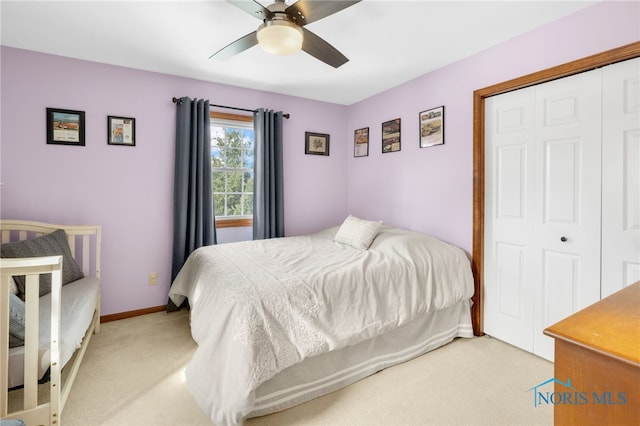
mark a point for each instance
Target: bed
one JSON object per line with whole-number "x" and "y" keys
{"x": 282, "y": 321}
{"x": 61, "y": 312}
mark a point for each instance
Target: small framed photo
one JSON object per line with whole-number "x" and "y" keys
{"x": 391, "y": 136}
{"x": 121, "y": 131}
{"x": 316, "y": 143}
{"x": 361, "y": 142}
{"x": 432, "y": 127}
{"x": 65, "y": 127}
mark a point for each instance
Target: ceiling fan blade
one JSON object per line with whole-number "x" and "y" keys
{"x": 304, "y": 12}
{"x": 320, "y": 49}
{"x": 252, "y": 8}
{"x": 240, "y": 45}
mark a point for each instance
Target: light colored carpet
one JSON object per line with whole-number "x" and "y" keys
{"x": 133, "y": 375}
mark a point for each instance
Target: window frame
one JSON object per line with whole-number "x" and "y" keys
{"x": 239, "y": 221}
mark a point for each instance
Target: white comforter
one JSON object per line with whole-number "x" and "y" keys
{"x": 258, "y": 307}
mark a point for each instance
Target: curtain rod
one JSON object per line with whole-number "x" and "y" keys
{"x": 176, "y": 100}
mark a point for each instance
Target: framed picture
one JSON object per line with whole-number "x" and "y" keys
{"x": 65, "y": 127}
{"x": 316, "y": 143}
{"x": 121, "y": 131}
{"x": 391, "y": 136}
{"x": 432, "y": 127}
{"x": 361, "y": 142}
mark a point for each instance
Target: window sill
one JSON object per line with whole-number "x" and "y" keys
{"x": 233, "y": 223}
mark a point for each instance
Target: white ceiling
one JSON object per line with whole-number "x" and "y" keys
{"x": 387, "y": 42}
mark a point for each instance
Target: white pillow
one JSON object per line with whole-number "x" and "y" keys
{"x": 357, "y": 233}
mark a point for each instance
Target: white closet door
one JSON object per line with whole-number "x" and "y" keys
{"x": 509, "y": 224}
{"x": 567, "y": 203}
{"x": 542, "y": 208}
{"x": 621, "y": 176}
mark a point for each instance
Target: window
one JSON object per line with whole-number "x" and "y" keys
{"x": 232, "y": 169}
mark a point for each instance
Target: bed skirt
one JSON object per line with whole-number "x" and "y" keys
{"x": 325, "y": 373}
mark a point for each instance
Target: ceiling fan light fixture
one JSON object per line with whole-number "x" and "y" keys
{"x": 280, "y": 37}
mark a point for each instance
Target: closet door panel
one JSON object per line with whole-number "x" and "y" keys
{"x": 561, "y": 181}
{"x": 510, "y": 280}
{"x": 508, "y": 226}
{"x": 510, "y": 182}
{"x": 563, "y": 294}
{"x": 621, "y": 176}
{"x": 561, "y": 285}
{"x": 567, "y": 202}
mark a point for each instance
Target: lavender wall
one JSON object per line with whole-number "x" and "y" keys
{"x": 128, "y": 190}
{"x": 430, "y": 189}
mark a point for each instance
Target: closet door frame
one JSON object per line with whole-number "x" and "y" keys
{"x": 588, "y": 63}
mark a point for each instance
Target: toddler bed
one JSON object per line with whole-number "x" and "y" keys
{"x": 50, "y": 307}
{"x": 281, "y": 321}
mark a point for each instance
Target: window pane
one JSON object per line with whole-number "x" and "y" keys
{"x": 234, "y": 158}
{"x": 247, "y": 203}
{"x": 234, "y": 204}
{"x": 216, "y": 157}
{"x": 218, "y": 202}
{"x": 247, "y": 159}
{"x": 248, "y": 134}
{"x": 218, "y": 136}
{"x": 218, "y": 181}
{"x": 235, "y": 138}
{"x": 234, "y": 182}
{"x": 248, "y": 181}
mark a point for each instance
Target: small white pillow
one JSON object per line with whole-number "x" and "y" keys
{"x": 357, "y": 233}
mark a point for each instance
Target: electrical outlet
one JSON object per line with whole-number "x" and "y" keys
{"x": 153, "y": 278}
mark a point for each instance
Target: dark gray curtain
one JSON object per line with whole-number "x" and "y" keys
{"x": 193, "y": 217}
{"x": 268, "y": 195}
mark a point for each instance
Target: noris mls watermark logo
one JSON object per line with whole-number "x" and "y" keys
{"x": 569, "y": 395}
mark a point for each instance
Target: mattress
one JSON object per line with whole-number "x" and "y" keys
{"x": 79, "y": 299}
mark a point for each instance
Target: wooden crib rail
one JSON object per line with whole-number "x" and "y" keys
{"x": 31, "y": 268}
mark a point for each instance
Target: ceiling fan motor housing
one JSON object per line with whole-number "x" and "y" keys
{"x": 279, "y": 35}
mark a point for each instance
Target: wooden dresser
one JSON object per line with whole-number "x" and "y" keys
{"x": 598, "y": 350}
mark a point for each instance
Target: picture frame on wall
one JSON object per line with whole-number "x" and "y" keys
{"x": 391, "y": 136}
{"x": 65, "y": 127}
{"x": 121, "y": 131}
{"x": 432, "y": 127}
{"x": 316, "y": 143}
{"x": 361, "y": 142}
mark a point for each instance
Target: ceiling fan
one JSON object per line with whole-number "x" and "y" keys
{"x": 282, "y": 31}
